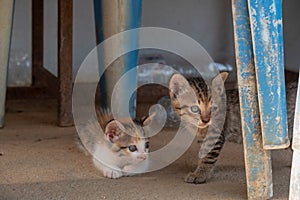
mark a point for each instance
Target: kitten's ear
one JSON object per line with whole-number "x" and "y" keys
{"x": 224, "y": 76}
{"x": 218, "y": 81}
{"x": 178, "y": 84}
{"x": 113, "y": 130}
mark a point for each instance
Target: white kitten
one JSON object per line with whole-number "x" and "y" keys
{"x": 121, "y": 149}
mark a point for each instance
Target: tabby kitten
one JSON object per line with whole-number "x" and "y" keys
{"x": 122, "y": 149}
{"x": 200, "y": 114}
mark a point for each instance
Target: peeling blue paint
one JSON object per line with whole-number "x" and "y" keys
{"x": 257, "y": 160}
{"x": 267, "y": 36}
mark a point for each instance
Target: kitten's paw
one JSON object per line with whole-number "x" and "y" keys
{"x": 109, "y": 173}
{"x": 195, "y": 178}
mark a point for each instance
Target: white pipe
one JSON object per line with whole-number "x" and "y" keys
{"x": 6, "y": 17}
{"x": 295, "y": 173}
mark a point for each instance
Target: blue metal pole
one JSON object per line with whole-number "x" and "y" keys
{"x": 295, "y": 174}
{"x": 119, "y": 16}
{"x": 98, "y": 20}
{"x": 6, "y": 21}
{"x": 134, "y": 9}
{"x": 257, "y": 160}
{"x": 99, "y": 39}
{"x": 267, "y": 37}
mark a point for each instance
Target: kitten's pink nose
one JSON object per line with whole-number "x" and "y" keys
{"x": 205, "y": 119}
{"x": 142, "y": 157}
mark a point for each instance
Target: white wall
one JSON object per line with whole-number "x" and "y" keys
{"x": 206, "y": 21}
{"x": 19, "y": 73}
{"x": 50, "y": 36}
{"x": 291, "y": 27}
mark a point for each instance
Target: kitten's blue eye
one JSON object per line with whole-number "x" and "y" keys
{"x": 195, "y": 109}
{"x": 147, "y": 145}
{"x": 132, "y": 148}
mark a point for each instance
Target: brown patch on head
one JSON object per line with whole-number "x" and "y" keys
{"x": 114, "y": 130}
{"x": 126, "y": 140}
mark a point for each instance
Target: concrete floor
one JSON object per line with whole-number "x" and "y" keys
{"x": 39, "y": 160}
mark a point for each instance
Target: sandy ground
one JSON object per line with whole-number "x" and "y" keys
{"x": 39, "y": 160}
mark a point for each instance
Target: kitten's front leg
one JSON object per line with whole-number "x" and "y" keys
{"x": 206, "y": 165}
{"x": 112, "y": 173}
{"x": 201, "y": 173}
{"x": 107, "y": 171}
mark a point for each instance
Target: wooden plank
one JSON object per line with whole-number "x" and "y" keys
{"x": 257, "y": 160}
{"x": 46, "y": 80}
{"x": 148, "y": 95}
{"x": 65, "y": 19}
{"x": 151, "y": 93}
{"x": 47, "y": 89}
{"x": 267, "y": 36}
{"x": 37, "y": 39}
{"x": 40, "y": 76}
{"x": 6, "y": 20}
{"x": 33, "y": 92}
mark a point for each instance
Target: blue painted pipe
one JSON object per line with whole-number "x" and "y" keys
{"x": 118, "y": 16}
{"x": 98, "y": 20}
{"x": 133, "y": 10}
{"x": 257, "y": 160}
{"x": 99, "y": 36}
{"x": 267, "y": 35}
